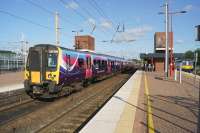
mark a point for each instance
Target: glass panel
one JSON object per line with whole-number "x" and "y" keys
{"x": 52, "y": 60}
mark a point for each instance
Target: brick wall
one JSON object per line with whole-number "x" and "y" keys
{"x": 159, "y": 65}
{"x": 84, "y": 42}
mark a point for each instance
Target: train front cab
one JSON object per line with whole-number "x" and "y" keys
{"x": 42, "y": 71}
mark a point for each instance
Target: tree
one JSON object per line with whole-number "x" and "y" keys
{"x": 189, "y": 55}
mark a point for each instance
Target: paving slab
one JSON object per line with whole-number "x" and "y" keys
{"x": 174, "y": 105}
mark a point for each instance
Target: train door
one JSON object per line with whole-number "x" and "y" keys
{"x": 88, "y": 67}
{"x": 37, "y": 65}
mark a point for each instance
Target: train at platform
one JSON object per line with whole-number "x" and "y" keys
{"x": 52, "y": 71}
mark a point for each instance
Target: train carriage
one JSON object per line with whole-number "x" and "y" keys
{"x": 50, "y": 67}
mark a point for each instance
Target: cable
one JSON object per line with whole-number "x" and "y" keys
{"x": 49, "y": 11}
{"x": 89, "y": 14}
{"x": 24, "y": 19}
{"x": 78, "y": 13}
{"x": 38, "y": 6}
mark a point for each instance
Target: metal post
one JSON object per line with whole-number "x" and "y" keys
{"x": 198, "y": 128}
{"x": 196, "y": 59}
{"x": 171, "y": 50}
{"x": 166, "y": 45}
{"x": 57, "y": 28}
{"x": 195, "y": 69}
{"x": 175, "y": 74}
{"x": 25, "y": 53}
{"x": 180, "y": 73}
{"x": 17, "y": 62}
{"x": 8, "y": 65}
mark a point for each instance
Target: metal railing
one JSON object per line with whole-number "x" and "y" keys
{"x": 11, "y": 63}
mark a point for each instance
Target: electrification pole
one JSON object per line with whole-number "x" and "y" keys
{"x": 167, "y": 42}
{"x": 57, "y": 29}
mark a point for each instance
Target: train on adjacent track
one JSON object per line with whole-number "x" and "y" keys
{"x": 49, "y": 68}
{"x": 186, "y": 65}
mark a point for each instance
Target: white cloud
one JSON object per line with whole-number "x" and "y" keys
{"x": 106, "y": 24}
{"x": 72, "y": 5}
{"x": 179, "y": 41}
{"x": 188, "y": 7}
{"x": 132, "y": 34}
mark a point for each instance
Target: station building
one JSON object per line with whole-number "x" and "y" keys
{"x": 84, "y": 42}
{"x": 157, "y": 58}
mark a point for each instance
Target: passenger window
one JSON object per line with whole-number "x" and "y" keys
{"x": 68, "y": 60}
{"x": 81, "y": 63}
{"x": 88, "y": 60}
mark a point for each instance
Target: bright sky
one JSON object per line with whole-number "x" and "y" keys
{"x": 34, "y": 21}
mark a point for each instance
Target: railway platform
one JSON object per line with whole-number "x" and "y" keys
{"x": 11, "y": 81}
{"x": 150, "y": 103}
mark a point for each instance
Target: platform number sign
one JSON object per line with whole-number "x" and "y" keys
{"x": 197, "y": 33}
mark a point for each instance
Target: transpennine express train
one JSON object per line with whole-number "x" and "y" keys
{"x": 49, "y": 68}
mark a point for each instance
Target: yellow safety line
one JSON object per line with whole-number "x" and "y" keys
{"x": 149, "y": 110}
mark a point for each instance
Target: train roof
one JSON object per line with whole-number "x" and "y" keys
{"x": 91, "y": 52}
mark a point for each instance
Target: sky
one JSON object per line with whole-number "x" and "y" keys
{"x": 135, "y": 21}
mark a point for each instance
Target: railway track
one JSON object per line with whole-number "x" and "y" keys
{"x": 66, "y": 114}
{"x": 11, "y": 113}
{"x": 76, "y": 116}
{"x": 12, "y": 98}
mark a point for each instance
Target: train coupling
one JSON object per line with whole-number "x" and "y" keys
{"x": 37, "y": 90}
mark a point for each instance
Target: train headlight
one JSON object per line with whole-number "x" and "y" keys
{"x": 49, "y": 75}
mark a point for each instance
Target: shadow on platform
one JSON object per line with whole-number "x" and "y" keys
{"x": 160, "y": 117}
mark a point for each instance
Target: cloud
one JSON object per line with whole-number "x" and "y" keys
{"x": 106, "y": 24}
{"x": 72, "y": 5}
{"x": 179, "y": 41}
{"x": 132, "y": 34}
{"x": 188, "y": 7}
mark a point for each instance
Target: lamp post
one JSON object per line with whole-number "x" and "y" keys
{"x": 167, "y": 13}
{"x": 196, "y": 59}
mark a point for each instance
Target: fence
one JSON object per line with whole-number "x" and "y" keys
{"x": 11, "y": 63}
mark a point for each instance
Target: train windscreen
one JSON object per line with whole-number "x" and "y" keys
{"x": 52, "y": 60}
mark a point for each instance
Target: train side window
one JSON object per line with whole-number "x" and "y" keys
{"x": 88, "y": 60}
{"x": 105, "y": 65}
{"x": 96, "y": 64}
{"x": 81, "y": 63}
{"x": 112, "y": 64}
{"x": 68, "y": 60}
{"x": 99, "y": 64}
